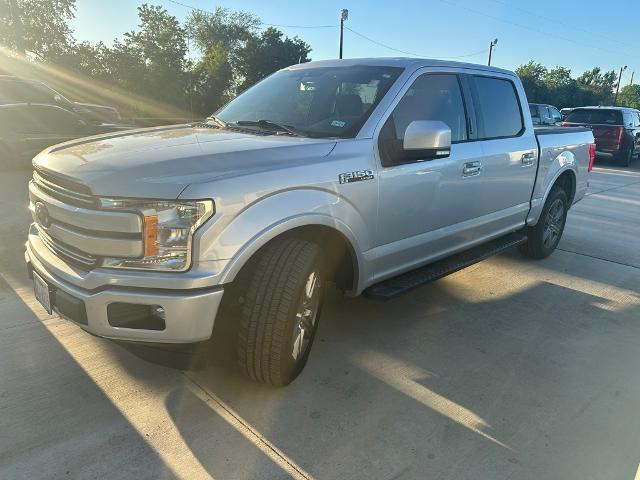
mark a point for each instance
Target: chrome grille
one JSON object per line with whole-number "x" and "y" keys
{"x": 67, "y": 252}
{"x": 64, "y": 190}
{"x": 71, "y": 224}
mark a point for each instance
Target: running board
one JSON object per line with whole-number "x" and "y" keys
{"x": 415, "y": 278}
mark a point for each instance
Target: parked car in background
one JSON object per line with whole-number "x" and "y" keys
{"x": 373, "y": 174}
{"x": 565, "y": 111}
{"x": 615, "y": 129}
{"x": 18, "y": 90}
{"x": 544, "y": 114}
{"x": 28, "y": 128}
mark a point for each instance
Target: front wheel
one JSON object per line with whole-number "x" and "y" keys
{"x": 543, "y": 238}
{"x": 281, "y": 310}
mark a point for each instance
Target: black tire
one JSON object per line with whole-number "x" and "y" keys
{"x": 626, "y": 157}
{"x": 274, "y": 337}
{"x": 539, "y": 244}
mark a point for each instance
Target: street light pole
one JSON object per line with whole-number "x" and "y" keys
{"x": 493, "y": 43}
{"x": 344, "y": 14}
{"x": 615, "y": 98}
{"x": 632, "y": 74}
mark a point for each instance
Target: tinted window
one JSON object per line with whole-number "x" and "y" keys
{"x": 498, "y": 107}
{"x": 595, "y": 116}
{"x": 544, "y": 113}
{"x": 628, "y": 119}
{"x": 432, "y": 97}
{"x": 56, "y": 120}
{"x": 555, "y": 114}
{"x": 12, "y": 91}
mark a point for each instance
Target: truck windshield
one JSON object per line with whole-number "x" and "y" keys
{"x": 595, "y": 116}
{"x": 318, "y": 102}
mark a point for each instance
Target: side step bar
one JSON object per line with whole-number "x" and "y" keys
{"x": 415, "y": 278}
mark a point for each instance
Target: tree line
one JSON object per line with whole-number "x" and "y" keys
{"x": 196, "y": 65}
{"x": 557, "y": 87}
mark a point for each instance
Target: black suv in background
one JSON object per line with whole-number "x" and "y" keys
{"x": 544, "y": 114}
{"x": 615, "y": 129}
{"x": 20, "y": 90}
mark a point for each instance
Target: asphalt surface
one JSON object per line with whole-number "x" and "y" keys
{"x": 510, "y": 369}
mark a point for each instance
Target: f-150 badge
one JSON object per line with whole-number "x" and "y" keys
{"x": 357, "y": 176}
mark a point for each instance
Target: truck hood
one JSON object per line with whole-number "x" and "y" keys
{"x": 162, "y": 162}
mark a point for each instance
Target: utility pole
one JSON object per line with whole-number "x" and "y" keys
{"x": 493, "y": 43}
{"x": 344, "y": 14}
{"x": 615, "y": 99}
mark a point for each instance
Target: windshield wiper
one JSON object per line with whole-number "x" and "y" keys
{"x": 218, "y": 121}
{"x": 271, "y": 125}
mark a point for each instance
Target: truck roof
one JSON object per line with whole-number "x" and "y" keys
{"x": 402, "y": 62}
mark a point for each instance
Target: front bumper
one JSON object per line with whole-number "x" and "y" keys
{"x": 189, "y": 314}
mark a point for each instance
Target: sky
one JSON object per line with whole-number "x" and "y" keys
{"x": 578, "y": 34}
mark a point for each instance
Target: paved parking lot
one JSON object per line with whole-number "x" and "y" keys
{"x": 510, "y": 369}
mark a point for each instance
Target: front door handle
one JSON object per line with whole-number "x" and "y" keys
{"x": 528, "y": 159}
{"x": 471, "y": 169}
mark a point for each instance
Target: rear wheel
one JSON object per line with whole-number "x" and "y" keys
{"x": 543, "y": 238}
{"x": 626, "y": 157}
{"x": 281, "y": 311}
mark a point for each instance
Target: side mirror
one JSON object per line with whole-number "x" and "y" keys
{"x": 428, "y": 139}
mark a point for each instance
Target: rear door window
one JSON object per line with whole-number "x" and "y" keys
{"x": 593, "y": 116}
{"x": 497, "y": 106}
{"x": 555, "y": 114}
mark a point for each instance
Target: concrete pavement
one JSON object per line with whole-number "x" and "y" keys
{"x": 510, "y": 369}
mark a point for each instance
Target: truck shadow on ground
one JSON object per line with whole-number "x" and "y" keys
{"x": 54, "y": 418}
{"x": 433, "y": 382}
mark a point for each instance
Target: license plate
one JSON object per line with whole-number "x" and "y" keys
{"x": 43, "y": 294}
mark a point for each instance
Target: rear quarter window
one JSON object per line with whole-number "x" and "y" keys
{"x": 499, "y": 109}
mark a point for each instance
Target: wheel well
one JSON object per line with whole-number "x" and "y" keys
{"x": 567, "y": 181}
{"x": 340, "y": 256}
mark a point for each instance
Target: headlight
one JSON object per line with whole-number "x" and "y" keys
{"x": 168, "y": 229}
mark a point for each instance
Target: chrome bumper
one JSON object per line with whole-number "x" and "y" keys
{"x": 189, "y": 314}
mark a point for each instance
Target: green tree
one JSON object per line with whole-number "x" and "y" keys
{"x": 596, "y": 87}
{"x": 559, "y": 86}
{"x": 219, "y": 36}
{"x": 264, "y": 54}
{"x": 629, "y": 96}
{"x": 153, "y": 57}
{"x": 531, "y": 74}
{"x": 37, "y": 27}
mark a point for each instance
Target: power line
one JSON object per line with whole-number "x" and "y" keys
{"x": 261, "y": 23}
{"x": 572, "y": 25}
{"x": 406, "y": 52}
{"x": 336, "y": 26}
{"x": 527, "y": 27}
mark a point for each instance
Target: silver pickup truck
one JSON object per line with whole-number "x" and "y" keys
{"x": 377, "y": 175}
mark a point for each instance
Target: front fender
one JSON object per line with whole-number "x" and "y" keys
{"x": 547, "y": 177}
{"x": 278, "y": 213}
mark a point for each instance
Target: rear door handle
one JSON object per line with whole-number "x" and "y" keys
{"x": 528, "y": 159}
{"x": 471, "y": 169}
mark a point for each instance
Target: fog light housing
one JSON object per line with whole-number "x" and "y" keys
{"x": 136, "y": 316}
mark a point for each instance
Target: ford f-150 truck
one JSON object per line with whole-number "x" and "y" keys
{"x": 377, "y": 175}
